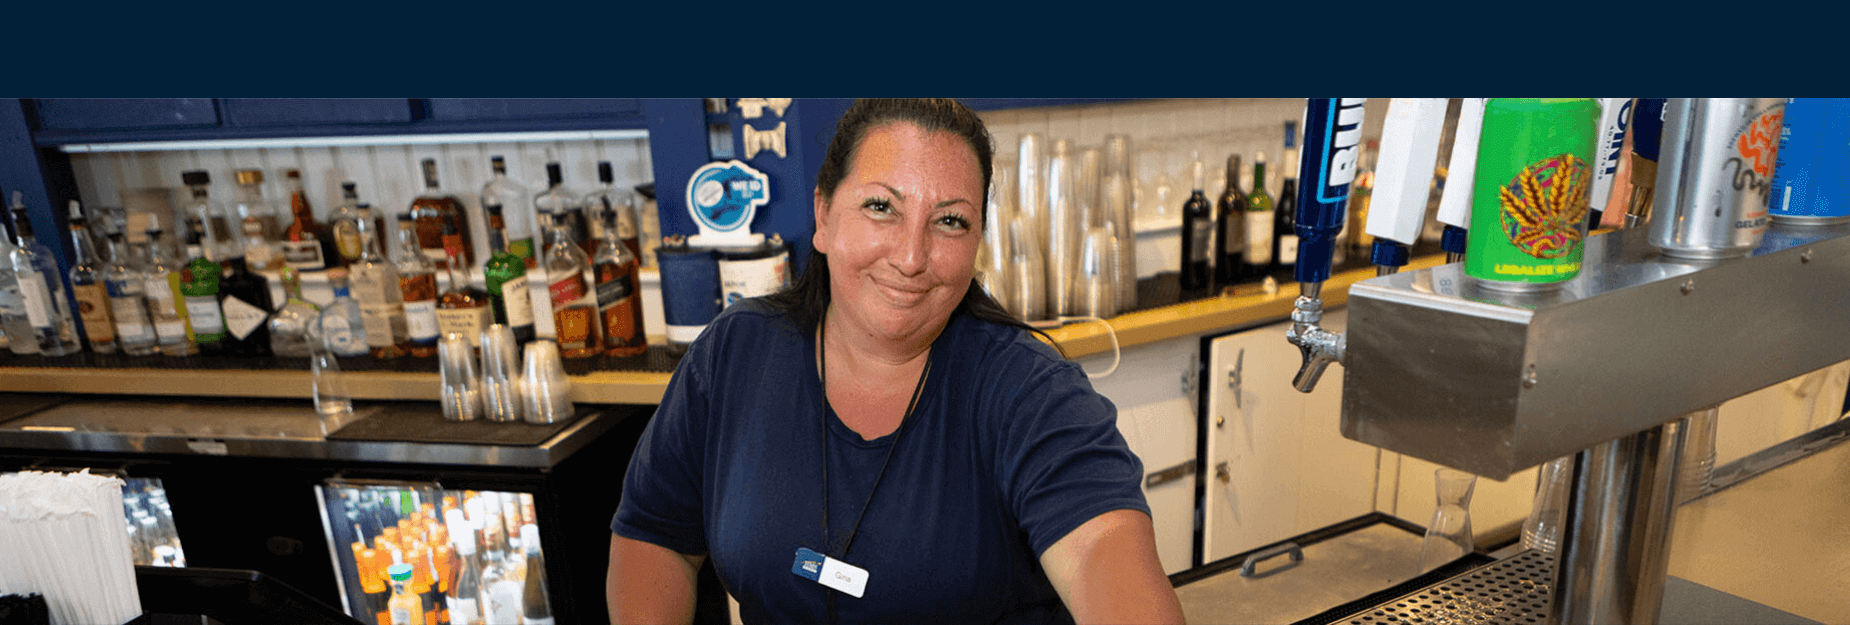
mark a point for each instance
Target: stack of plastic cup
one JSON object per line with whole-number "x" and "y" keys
{"x": 545, "y": 391}
{"x": 500, "y": 374}
{"x": 460, "y": 390}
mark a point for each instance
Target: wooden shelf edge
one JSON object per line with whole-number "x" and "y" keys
{"x": 1209, "y": 315}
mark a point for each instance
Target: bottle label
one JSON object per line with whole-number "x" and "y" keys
{"x": 347, "y": 239}
{"x": 1259, "y": 238}
{"x": 568, "y": 290}
{"x": 208, "y": 324}
{"x": 377, "y": 319}
{"x": 38, "y": 298}
{"x": 170, "y": 331}
{"x": 1287, "y": 249}
{"x": 160, "y": 296}
{"x": 468, "y": 322}
{"x": 572, "y": 326}
{"x": 241, "y": 318}
{"x": 303, "y": 255}
{"x": 421, "y": 321}
{"x": 1202, "y": 231}
{"x": 337, "y": 331}
{"x": 93, "y": 308}
{"x": 131, "y": 317}
{"x": 517, "y": 301}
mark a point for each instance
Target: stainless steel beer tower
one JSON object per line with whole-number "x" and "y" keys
{"x": 1492, "y": 382}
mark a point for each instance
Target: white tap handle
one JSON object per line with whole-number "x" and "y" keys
{"x": 1403, "y": 173}
{"x": 1461, "y": 172}
{"x": 1615, "y": 116}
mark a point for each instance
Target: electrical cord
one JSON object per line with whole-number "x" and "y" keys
{"x": 1117, "y": 356}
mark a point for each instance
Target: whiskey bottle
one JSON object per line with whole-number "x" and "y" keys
{"x": 619, "y": 291}
{"x": 417, "y": 284}
{"x": 376, "y": 288}
{"x": 305, "y": 244}
{"x": 574, "y": 304}
{"x": 87, "y": 286}
{"x": 432, "y": 210}
{"x": 554, "y": 205}
{"x": 463, "y": 309}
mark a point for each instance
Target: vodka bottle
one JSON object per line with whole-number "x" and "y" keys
{"x": 166, "y": 302}
{"x": 128, "y": 305}
{"x": 87, "y": 287}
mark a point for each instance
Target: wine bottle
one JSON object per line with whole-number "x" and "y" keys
{"x": 1258, "y": 224}
{"x": 1230, "y": 228}
{"x": 1197, "y": 231}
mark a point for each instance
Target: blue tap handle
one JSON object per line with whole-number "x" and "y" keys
{"x": 1332, "y": 150}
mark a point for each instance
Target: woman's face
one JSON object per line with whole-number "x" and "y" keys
{"x": 901, "y": 231}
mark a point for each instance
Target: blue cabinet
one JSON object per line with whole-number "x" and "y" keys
{"x": 298, "y": 112}
{"x": 83, "y": 114}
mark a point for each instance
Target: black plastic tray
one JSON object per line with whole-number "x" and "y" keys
{"x": 230, "y": 596}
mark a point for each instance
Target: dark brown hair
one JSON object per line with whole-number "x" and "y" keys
{"x": 807, "y": 299}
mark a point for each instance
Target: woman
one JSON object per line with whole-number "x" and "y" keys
{"x": 884, "y": 427}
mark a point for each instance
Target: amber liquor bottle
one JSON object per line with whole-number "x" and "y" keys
{"x": 432, "y": 210}
{"x": 619, "y": 291}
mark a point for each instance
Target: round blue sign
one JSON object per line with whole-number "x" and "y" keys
{"x": 722, "y": 196}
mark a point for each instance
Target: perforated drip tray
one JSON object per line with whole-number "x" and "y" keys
{"x": 1516, "y": 590}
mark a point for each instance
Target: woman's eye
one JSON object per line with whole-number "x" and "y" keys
{"x": 955, "y": 223}
{"x": 878, "y": 205}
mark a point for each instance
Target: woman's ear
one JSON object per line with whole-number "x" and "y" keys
{"x": 821, "y": 238}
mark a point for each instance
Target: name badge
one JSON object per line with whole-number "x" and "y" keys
{"x": 841, "y": 576}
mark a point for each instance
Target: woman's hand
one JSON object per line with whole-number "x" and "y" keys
{"x": 1106, "y": 571}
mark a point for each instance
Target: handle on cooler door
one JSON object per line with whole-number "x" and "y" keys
{"x": 1250, "y": 568}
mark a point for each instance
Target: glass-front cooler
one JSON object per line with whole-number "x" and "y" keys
{"x": 418, "y": 554}
{"x": 151, "y": 531}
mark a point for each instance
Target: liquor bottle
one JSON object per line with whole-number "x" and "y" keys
{"x": 199, "y": 281}
{"x": 345, "y": 225}
{"x": 341, "y": 325}
{"x": 128, "y": 305}
{"x": 551, "y": 205}
{"x": 604, "y": 202}
{"x": 166, "y": 306}
{"x": 417, "y": 286}
{"x": 465, "y": 593}
{"x": 536, "y": 609}
{"x": 41, "y": 289}
{"x": 376, "y": 288}
{"x": 463, "y": 309}
{"x": 1230, "y": 227}
{"x": 13, "y": 321}
{"x": 221, "y": 239}
{"x": 87, "y": 287}
{"x": 1197, "y": 231}
{"x": 248, "y": 202}
{"x": 506, "y": 275}
{"x": 1285, "y": 232}
{"x": 405, "y": 606}
{"x": 619, "y": 290}
{"x": 1258, "y": 224}
{"x": 1285, "y": 215}
{"x": 258, "y": 252}
{"x": 244, "y": 297}
{"x": 574, "y": 304}
{"x": 432, "y": 210}
{"x": 305, "y": 244}
{"x": 289, "y": 327}
{"x": 502, "y": 191}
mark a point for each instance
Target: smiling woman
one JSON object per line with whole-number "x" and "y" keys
{"x": 881, "y": 442}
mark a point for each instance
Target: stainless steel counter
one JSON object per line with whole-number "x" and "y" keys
{"x": 271, "y": 429}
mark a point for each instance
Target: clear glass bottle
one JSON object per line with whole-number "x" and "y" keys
{"x": 574, "y": 303}
{"x": 536, "y": 608}
{"x": 166, "y": 302}
{"x": 41, "y": 289}
{"x": 554, "y": 204}
{"x": 376, "y": 288}
{"x": 244, "y": 296}
{"x": 433, "y": 210}
{"x": 465, "y": 591}
{"x": 13, "y": 321}
{"x": 621, "y": 203}
{"x": 259, "y": 253}
{"x": 619, "y": 291}
{"x": 462, "y": 309}
{"x": 290, "y": 326}
{"x": 87, "y": 286}
{"x": 199, "y": 282}
{"x": 248, "y": 202}
{"x": 128, "y": 304}
{"x": 417, "y": 285}
{"x": 221, "y": 240}
{"x": 342, "y": 326}
{"x": 517, "y": 218}
{"x": 506, "y": 277}
{"x": 345, "y": 227}
{"x": 1448, "y": 536}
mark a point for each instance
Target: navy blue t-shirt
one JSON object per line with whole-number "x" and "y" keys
{"x": 1008, "y": 450}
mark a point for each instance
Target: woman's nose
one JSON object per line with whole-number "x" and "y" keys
{"x": 912, "y": 252}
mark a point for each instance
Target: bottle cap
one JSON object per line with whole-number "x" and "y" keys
{"x": 250, "y": 176}
{"x": 603, "y": 172}
{"x": 196, "y": 177}
{"x": 553, "y": 174}
{"x": 399, "y": 572}
{"x": 347, "y": 187}
{"x": 405, "y": 217}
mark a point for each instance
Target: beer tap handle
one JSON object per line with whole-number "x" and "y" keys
{"x": 1460, "y": 179}
{"x": 1332, "y": 142}
{"x": 1403, "y": 178}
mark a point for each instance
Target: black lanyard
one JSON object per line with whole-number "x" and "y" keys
{"x": 822, "y": 357}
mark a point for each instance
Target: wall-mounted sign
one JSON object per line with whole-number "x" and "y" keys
{"x": 722, "y": 197}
